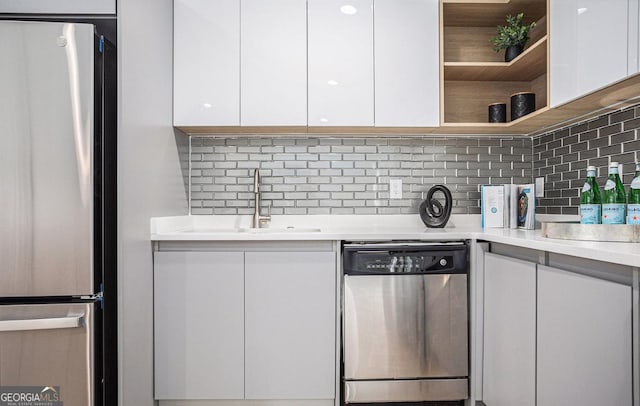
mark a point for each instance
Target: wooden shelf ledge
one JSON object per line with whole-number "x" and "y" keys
{"x": 616, "y": 96}
{"x": 476, "y": 1}
{"x": 518, "y": 126}
{"x": 489, "y": 13}
{"x": 527, "y": 66}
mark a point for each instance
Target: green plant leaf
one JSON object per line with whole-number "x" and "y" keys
{"x": 514, "y": 33}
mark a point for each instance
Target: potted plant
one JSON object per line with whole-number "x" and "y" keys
{"x": 512, "y": 37}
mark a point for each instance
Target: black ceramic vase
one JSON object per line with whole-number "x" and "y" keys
{"x": 498, "y": 113}
{"x": 512, "y": 52}
{"x": 522, "y": 104}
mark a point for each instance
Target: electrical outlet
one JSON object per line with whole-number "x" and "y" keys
{"x": 395, "y": 188}
{"x": 540, "y": 187}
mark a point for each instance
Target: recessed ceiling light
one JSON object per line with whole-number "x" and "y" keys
{"x": 333, "y": 82}
{"x": 348, "y": 9}
{"x": 582, "y": 10}
{"x": 324, "y": 120}
{"x": 207, "y": 105}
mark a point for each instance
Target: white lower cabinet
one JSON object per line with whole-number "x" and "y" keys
{"x": 199, "y": 325}
{"x": 554, "y": 337}
{"x": 290, "y": 325}
{"x": 245, "y": 325}
{"x": 509, "y": 368}
{"x": 584, "y": 340}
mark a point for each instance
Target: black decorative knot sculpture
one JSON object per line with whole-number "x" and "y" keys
{"x": 433, "y": 213}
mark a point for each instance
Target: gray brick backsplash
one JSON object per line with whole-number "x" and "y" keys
{"x": 598, "y": 141}
{"x": 350, "y": 175}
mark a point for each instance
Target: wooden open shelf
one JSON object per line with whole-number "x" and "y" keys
{"x": 529, "y": 65}
{"x": 473, "y": 75}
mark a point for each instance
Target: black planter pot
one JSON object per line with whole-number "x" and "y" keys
{"x": 522, "y": 104}
{"x": 512, "y": 52}
{"x": 498, "y": 113}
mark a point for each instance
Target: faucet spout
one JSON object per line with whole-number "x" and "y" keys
{"x": 256, "y": 181}
{"x": 258, "y": 220}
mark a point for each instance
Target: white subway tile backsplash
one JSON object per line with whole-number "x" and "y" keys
{"x": 349, "y": 175}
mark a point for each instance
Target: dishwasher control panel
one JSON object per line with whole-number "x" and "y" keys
{"x": 403, "y": 258}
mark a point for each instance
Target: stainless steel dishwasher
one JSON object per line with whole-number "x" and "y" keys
{"x": 405, "y": 323}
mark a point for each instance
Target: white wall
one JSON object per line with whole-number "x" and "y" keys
{"x": 150, "y": 181}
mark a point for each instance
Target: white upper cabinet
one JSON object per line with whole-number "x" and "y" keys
{"x": 58, "y": 6}
{"x": 589, "y": 46}
{"x": 273, "y": 82}
{"x": 206, "y": 63}
{"x": 407, "y": 71}
{"x": 306, "y": 62}
{"x": 340, "y": 40}
{"x": 634, "y": 37}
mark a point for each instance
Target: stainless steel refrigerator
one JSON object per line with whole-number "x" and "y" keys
{"x": 57, "y": 214}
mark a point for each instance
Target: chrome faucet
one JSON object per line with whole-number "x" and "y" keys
{"x": 258, "y": 220}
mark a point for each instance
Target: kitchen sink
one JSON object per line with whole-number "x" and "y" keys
{"x": 215, "y": 230}
{"x": 248, "y": 230}
{"x": 277, "y": 230}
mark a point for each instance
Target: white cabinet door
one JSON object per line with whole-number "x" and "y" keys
{"x": 509, "y": 368}
{"x": 634, "y": 37}
{"x": 199, "y": 325}
{"x": 340, "y": 63}
{"x": 584, "y": 340}
{"x": 273, "y": 82}
{"x": 407, "y": 67}
{"x": 58, "y": 6}
{"x": 589, "y": 46}
{"x": 290, "y": 325}
{"x": 206, "y": 64}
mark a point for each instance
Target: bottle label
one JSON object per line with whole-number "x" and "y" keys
{"x": 635, "y": 183}
{"x": 587, "y": 187}
{"x": 613, "y": 213}
{"x": 590, "y": 214}
{"x": 633, "y": 214}
{"x": 609, "y": 185}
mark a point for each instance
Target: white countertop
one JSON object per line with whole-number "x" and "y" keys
{"x": 381, "y": 228}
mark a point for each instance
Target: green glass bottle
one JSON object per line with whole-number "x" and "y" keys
{"x": 614, "y": 199}
{"x": 590, "y": 200}
{"x": 633, "y": 202}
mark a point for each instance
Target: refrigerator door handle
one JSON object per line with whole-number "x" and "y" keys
{"x": 42, "y": 324}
